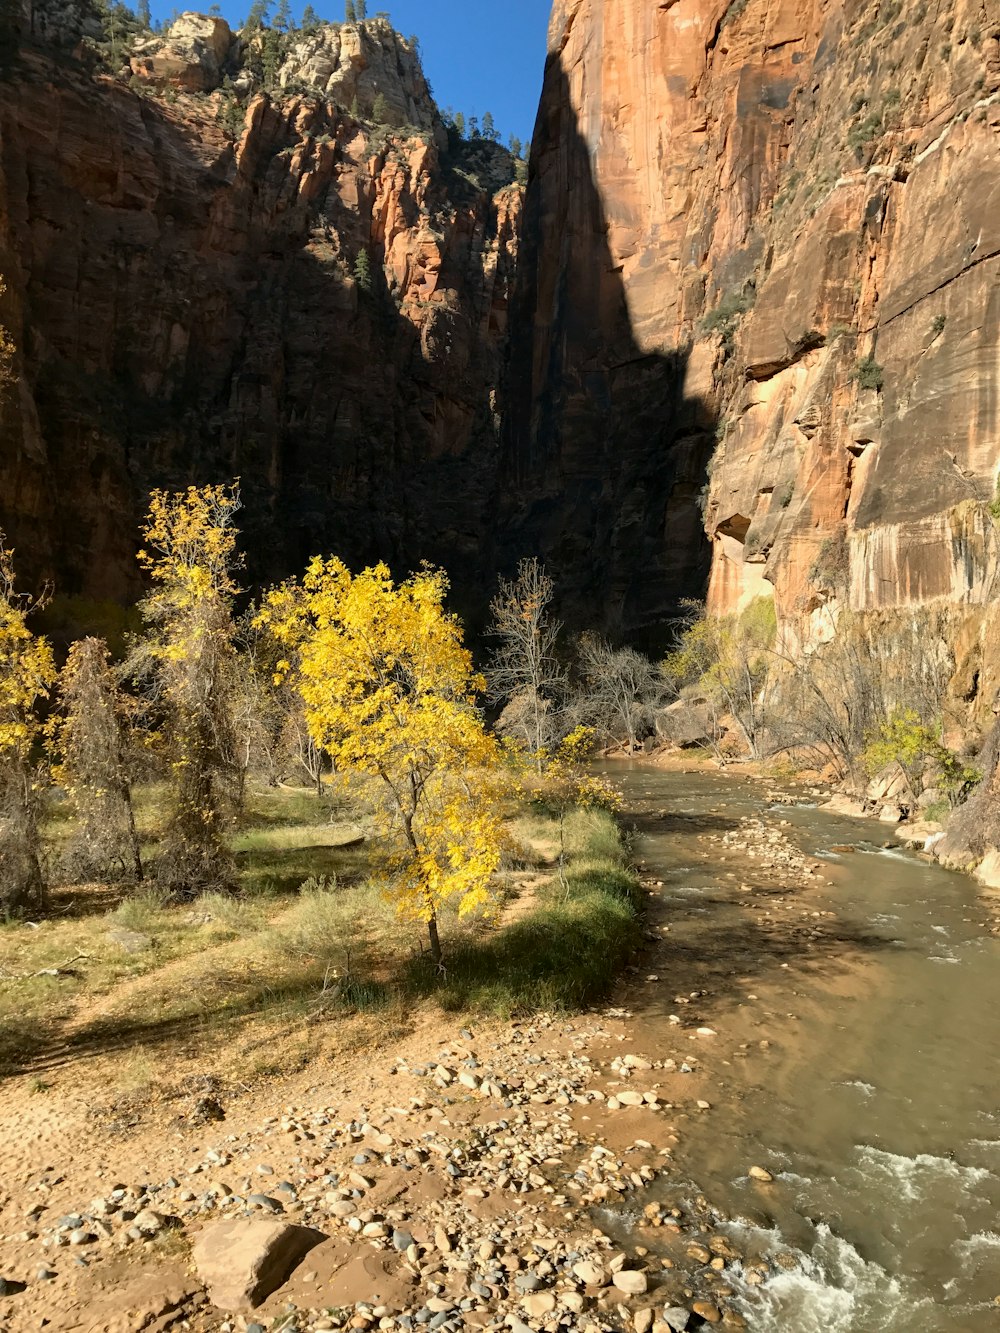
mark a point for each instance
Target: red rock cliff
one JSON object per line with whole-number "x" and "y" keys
{"x": 189, "y": 306}
{"x": 776, "y": 223}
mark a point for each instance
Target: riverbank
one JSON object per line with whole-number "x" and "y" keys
{"x": 507, "y": 1156}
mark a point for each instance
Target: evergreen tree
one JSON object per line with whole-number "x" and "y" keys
{"x": 270, "y": 59}
{"x": 283, "y": 17}
{"x": 363, "y": 271}
{"x": 489, "y": 128}
{"x": 460, "y": 124}
{"x": 350, "y": 13}
{"x": 309, "y": 21}
{"x": 380, "y": 110}
{"x": 257, "y": 16}
{"x": 362, "y": 10}
{"x": 143, "y": 14}
{"x": 516, "y": 146}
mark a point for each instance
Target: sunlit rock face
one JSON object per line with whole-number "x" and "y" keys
{"x": 191, "y": 308}
{"x": 795, "y": 206}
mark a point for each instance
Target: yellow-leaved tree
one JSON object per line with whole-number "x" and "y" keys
{"x": 390, "y": 695}
{"x": 187, "y": 663}
{"x": 27, "y": 671}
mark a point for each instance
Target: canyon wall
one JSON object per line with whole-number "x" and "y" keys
{"x": 762, "y": 241}
{"x": 184, "y": 285}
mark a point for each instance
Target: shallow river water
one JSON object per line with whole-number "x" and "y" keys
{"x": 875, "y": 1102}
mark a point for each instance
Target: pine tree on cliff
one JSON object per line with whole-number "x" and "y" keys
{"x": 257, "y": 16}
{"x": 362, "y": 10}
{"x": 283, "y": 17}
{"x": 143, "y": 14}
{"x": 309, "y": 20}
{"x": 380, "y": 110}
{"x": 363, "y": 271}
{"x": 350, "y": 13}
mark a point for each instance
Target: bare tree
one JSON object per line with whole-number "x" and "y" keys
{"x": 621, "y": 690}
{"x": 834, "y": 700}
{"x": 90, "y": 735}
{"x": 524, "y": 673}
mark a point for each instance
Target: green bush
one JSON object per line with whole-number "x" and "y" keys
{"x": 726, "y": 315}
{"x": 907, "y": 741}
{"x": 868, "y": 374}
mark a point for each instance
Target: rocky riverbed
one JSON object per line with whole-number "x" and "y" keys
{"x": 476, "y": 1178}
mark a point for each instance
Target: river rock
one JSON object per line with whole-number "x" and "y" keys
{"x": 759, "y": 1173}
{"x": 243, "y": 1262}
{"x": 631, "y": 1282}
{"x": 630, "y": 1098}
{"x": 591, "y": 1274}
{"x": 677, "y": 1318}
{"x": 538, "y": 1304}
{"x": 707, "y": 1311}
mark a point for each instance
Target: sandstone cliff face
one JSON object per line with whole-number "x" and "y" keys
{"x": 189, "y": 308}
{"x": 794, "y": 205}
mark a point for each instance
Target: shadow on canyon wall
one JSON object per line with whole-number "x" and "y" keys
{"x": 184, "y": 320}
{"x": 604, "y": 457}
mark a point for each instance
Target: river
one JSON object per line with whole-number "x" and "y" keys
{"x": 874, "y": 1100}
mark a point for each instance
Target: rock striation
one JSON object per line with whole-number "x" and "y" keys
{"x": 761, "y": 243}
{"x": 204, "y": 285}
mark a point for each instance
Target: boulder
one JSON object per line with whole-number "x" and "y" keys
{"x": 891, "y": 787}
{"x": 242, "y": 1262}
{"x": 685, "y": 723}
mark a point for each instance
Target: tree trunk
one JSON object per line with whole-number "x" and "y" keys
{"x": 133, "y": 837}
{"x": 432, "y": 931}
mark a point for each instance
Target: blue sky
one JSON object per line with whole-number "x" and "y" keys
{"x": 479, "y": 56}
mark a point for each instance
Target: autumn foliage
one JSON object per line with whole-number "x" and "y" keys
{"x": 186, "y": 665}
{"x": 389, "y": 695}
{"x": 354, "y": 678}
{"x": 27, "y": 670}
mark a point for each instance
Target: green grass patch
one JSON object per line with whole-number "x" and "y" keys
{"x": 565, "y": 953}
{"x": 311, "y": 938}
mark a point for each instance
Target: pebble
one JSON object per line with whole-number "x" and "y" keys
{"x": 759, "y": 1173}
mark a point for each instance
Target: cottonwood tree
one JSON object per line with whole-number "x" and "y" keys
{"x": 89, "y": 735}
{"x": 620, "y": 690}
{"x": 524, "y": 673}
{"x": 187, "y": 662}
{"x": 389, "y": 694}
{"x": 27, "y": 670}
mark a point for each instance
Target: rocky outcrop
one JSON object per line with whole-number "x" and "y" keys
{"x": 794, "y": 205}
{"x": 355, "y": 64}
{"x": 191, "y": 56}
{"x": 315, "y": 308}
